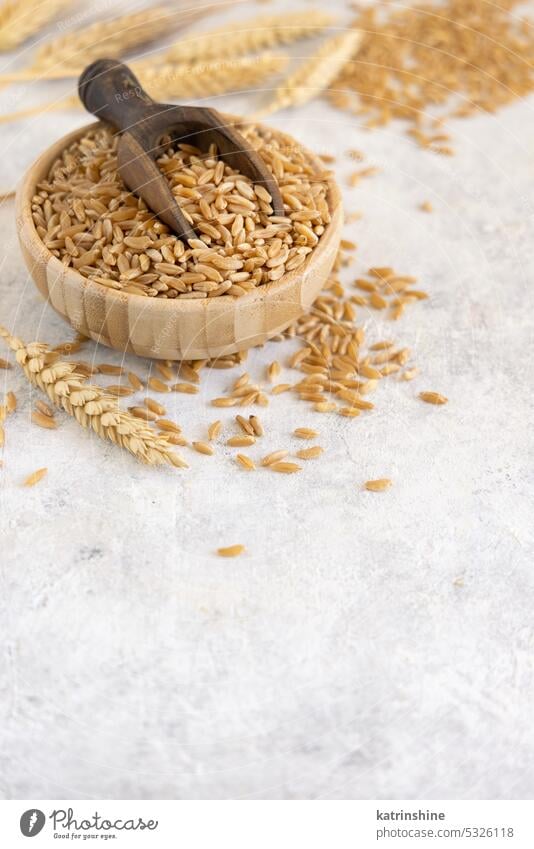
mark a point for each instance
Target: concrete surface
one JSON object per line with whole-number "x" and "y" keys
{"x": 341, "y": 657}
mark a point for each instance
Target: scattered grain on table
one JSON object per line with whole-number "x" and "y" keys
{"x": 184, "y": 388}
{"x": 285, "y": 467}
{"x": 231, "y": 551}
{"x": 203, "y": 448}
{"x": 274, "y": 457}
{"x": 256, "y": 425}
{"x": 310, "y": 453}
{"x": 245, "y": 425}
{"x": 305, "y": 433}
{"x": 158, "y": 385}
{"x": 135, "y": 381}
{"x": 35, "y": 477}
{"x": 404, "y": 71}
{"x": 119, "y": 391}
{"x": 245, "y": 462}
{"x": 214, "y": 429}
{"x": 433, "y": 398}
{"x": 43, "y": 420}
{"x": 240, "y": 441}
{"x": 378, "y": 485}
{"x": 166, "y": 424}
{"x": 155, "y": 406}
{"x": 109, "y": 368}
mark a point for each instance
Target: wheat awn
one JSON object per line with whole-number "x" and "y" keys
{"x": 89, "y": 404}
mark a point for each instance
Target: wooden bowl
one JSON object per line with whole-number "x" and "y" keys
{"x": 180, "y": 328}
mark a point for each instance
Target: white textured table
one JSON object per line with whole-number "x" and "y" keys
{"x": 338, "y": 658}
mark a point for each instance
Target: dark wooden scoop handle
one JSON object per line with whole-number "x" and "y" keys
{"x": 110, "y": 90}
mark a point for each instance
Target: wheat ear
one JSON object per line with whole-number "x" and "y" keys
{"x": 90, "y": 405}
{"x": 164, "y": 82}
{"x": 20, "y": 19}
{"x": 216, "y": 77}
{"x": 315, "y": 74}
{"x": 239, "y": 39}
{"x": 68, "y": 53}
{"x": 248, "y": 36}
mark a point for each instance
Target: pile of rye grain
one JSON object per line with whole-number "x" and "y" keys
{"x": 427, "y": 62}
{"x": 89, "y": 220}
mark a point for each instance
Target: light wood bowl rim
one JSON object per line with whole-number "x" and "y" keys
{"x": 39, "y": 170}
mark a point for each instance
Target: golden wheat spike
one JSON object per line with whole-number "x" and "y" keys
{"x": 315, "y": 74}
{"x": 20, "y": 19}
{"x": 90, "y": 405}
{"x": 228, "y": 42}
{"x": 248, "y": 36}
{"x": 179, "y": 80}
{"x": 104, "y": 38}
{"x": 165, "y": 82}
{"x": 67, "y": 54}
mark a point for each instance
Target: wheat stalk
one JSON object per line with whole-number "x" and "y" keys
{"x": 228, "y": 42}
{"x": 169, "y": 81}
{"x": 315, "y": 74}
{"x": 201, "y": 80}
{"x": 67, "y": 54}
{"x": 241, "y": 37}
{"x": 110, "y": 37}
{"x": 90, "y": 405}
{"x": 20, "y": 19}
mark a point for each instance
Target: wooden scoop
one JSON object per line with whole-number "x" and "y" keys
{"x": 109, "y": 90}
